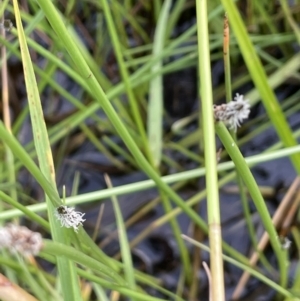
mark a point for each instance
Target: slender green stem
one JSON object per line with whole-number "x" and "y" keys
{"x": 155, "y": 103}
{"x": 242, "y": 190}
{"x": 244, "y": 171}
{"x": 206, "y": 119}
{"x": 124, "y": 245}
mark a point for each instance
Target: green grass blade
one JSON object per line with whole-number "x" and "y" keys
{"x": 257, "y": 198}
{"x": 206, "y": 120}
{"x": 124, "y": 245}
{"x": 67, "y": 273}
{"x": 155, "y": 104}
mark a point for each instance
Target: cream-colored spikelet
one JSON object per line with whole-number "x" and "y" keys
{"x": 233, "y": 113}
{"x": 21, "y": 240}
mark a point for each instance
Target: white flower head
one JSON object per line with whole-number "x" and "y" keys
{"x": 19, "y": 239}
{"x": 234, "y": 112}
{"x": 68, "y": 217}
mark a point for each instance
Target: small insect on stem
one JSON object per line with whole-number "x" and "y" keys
{"x": 61, "y": 210}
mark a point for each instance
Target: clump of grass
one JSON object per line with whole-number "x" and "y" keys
{"x": 123, "y": 101}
